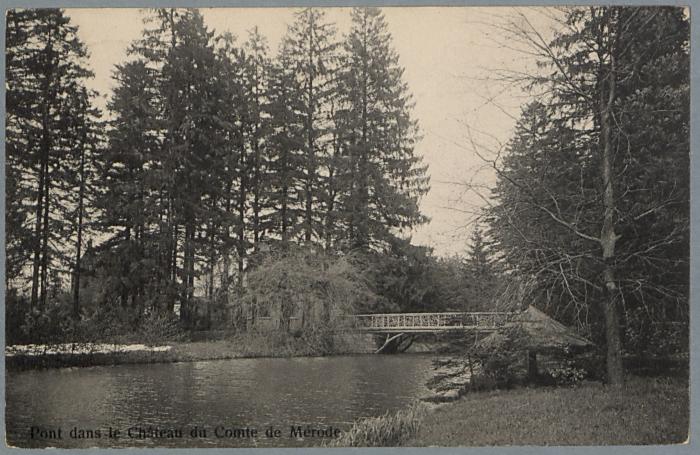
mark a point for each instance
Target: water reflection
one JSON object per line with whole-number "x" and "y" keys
{"x": 232, "y": 394}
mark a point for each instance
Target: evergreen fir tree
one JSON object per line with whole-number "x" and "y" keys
{"x": 286, "y": 154}
{"x": 176, "y": 84}
{"x": 384, "y": 178}
{"x": 48, "y": 114}
{"x": 308, "y": 50}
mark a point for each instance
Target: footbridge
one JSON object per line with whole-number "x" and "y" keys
{"x": 431, "y": 322}
{"x": 400, "y": 329}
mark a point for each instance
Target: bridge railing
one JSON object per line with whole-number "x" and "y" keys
{"x": 445, "y": 321}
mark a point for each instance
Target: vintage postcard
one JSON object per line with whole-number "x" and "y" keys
{"x": 347, "y": 227}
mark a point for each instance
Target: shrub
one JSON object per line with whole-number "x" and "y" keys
{"x": 156, "y": 328}
{"x": 566, "y": 374}
{"x": 482, "y": 382}
{"x": 108, "y": 324}
{"x": 15, "y": 309}
{"x": 318, "y": 289}
{"x": 647, "y": 337}
{"x": 504, "y": 369}
{"x": 50, "y": 324}
{"x": 386, "y": 431}
{"x": 502, "y": 359}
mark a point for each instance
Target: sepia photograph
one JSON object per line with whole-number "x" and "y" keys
{"x": 436, "y": 226}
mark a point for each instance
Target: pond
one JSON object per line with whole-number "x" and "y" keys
{"x": 232, "y": 403}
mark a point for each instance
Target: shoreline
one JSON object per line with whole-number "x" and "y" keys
{"x": 244, "y": 346}
{"x": 172, "y": 352}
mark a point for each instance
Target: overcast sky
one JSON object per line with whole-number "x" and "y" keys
{"x": 447, "y": 52}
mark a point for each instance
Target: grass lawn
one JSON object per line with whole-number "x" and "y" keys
{"x": 644, "y": 411}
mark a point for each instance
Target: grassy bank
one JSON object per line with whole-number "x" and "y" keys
{"x": 644, "y": 411}
{"x": 246, "y": 345}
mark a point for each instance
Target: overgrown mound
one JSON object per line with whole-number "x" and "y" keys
{"x": 308, "y": 294}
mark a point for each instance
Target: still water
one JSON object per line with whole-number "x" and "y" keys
{"x": 227, "y": 399}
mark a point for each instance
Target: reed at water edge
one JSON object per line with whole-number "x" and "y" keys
{"x": 383, "y": 431}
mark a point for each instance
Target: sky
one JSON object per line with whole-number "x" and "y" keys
{"x": 449, "y": 55}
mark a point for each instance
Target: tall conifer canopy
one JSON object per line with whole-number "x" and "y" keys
{"x": 385, "y": 177}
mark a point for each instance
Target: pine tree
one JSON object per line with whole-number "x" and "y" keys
{"x": 384, "y": 178}
{"x": 234, "y": 118}
{"x": 84, "y": 179}
{"x": 180, "y": 171}
{"x": 286, "y": 154}
{"x": 48, "y": 112}
{"x": 134, "y": 200}
{"x": 256, "y": 83}
{"x": 309, "y": 50}
{"x": 480, "y": 273}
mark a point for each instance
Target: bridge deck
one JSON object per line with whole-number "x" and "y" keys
{"x": 431, "y": 322}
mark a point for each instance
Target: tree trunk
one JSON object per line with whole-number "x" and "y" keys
{"x": 256, "y": 192}
{"x": 242, "y": 196}
{"x": 615, "y": 370}
{"x": 330, "y": 206}
{"x": 188, "y": 274}
{"x": 171, "y": 142}
{"x": 173, "y": 233}
{"x": 227, "y": 244}
{"x": 124, "y": 297}
{"x": 608, "y": 237}
{"x": 212, "y": 260}
{"x": 81, "y": 197}
{"x": 190, "y": 271}
{"x": 38, "y": 272}
{"x": 36, "y": 265}
{"x": 224, "y": 277}
{"x": 45, "y": 239}
{"x": 241, "y": 268}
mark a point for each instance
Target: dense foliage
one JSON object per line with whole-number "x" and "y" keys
{"x": 214, "y": 154}
{"x": 50, "y": 151}
{"x": 305, "y": 293}
{"x": 592, "y": 211}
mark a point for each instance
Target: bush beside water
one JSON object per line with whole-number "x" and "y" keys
{"x": 388, "y": 430}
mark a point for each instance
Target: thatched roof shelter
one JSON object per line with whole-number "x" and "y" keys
{"x": 533, "y": 330}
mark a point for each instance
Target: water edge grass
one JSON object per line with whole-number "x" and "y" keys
{"x": 384, "y": 431}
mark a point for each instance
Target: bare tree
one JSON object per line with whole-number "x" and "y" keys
{"x": 570, "y": 182}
